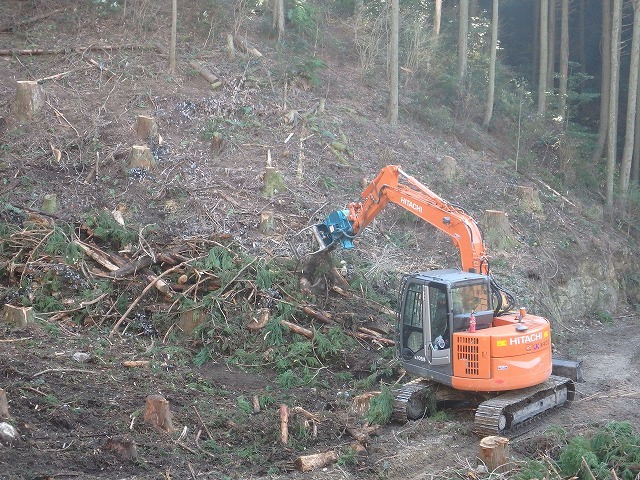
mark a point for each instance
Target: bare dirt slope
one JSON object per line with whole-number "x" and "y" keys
{"x": 76, "y": 420}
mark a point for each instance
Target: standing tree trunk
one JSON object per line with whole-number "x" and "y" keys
{"x": 551, "y": 46}
{"x": 473, "y": 8}
{"x": 488, "y": 113}
{"x": 174, "y": 28}
{"x": 463, "y": 41}
{"x": 564, "y": 59}
{"x": 627, "y": 153}
{"x": 635, "y": 167}
{"x": 437, "y": 18}
{"x": 583, "y": 59}
{"x": 393, "y": 54}
{"x": 605, "y": 84}
{"x": 535, "y": 45}
{"x": 616, "y": 27}
{"x": 278, "y": 17}
{"x": 542, "y": 72}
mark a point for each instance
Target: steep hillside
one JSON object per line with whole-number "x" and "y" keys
{"x": 305, "y": 105}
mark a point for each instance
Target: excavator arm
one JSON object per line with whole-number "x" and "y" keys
{"x": 343, "y": 225}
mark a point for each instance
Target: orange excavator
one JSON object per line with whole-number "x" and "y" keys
{"x": 456, "y": 327}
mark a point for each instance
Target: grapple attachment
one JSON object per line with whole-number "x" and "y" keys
{"x": 326, "y": 235}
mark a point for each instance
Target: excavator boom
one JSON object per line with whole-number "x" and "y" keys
{"x": 343, "y": 225}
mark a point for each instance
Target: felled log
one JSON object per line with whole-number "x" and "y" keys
{"x": 97, "y": 254}
{"x": 29, "y": 99}
{"x": 244, "y": 47}
{"x": 214, "y": 82}
{"x": 157, "y": 414}
{"x": 494, "y": 453}
{"x": 260, "y": 322}
{"x": 4, "y": 405}
{"x": 141, "y": 157}
{"x": 13, "y": 52}
{"x": 19, "y": 316}
{"x": 284, "y": 424}
{"x": 306, "y": 463}
{"x": 132, "y": 267}
{"x": 297, "y": 329}
{"x": 323, "y": 317}
{"x": 136, "y": 363}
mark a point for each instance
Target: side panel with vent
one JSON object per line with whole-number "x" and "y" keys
{"x": 471, "y": 356}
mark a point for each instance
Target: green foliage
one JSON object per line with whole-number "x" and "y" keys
{"x": 244, "y": 405}
{"x": 532, "y": 469}
{"x": 347, "y": 457}
{"x": 308, "y": 69}
{"x": 380, "y": 408}
{"x": 303, "y": 17}
{"x": 288, "y": 379}
{"x": 202, "y": 357}
{"x": 107, "y": 229}
{"x": 615, "y": 446}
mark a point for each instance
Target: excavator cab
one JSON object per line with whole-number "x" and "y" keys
{"x": 435, "y": 305}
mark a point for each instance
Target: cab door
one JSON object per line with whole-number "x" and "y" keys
{"x": 438, "y": 332}
{"x": 425, "y": 341}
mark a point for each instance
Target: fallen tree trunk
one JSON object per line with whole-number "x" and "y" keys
{"x": 62, "y": 51}
{"x": 297, "y": 329}
{"x": 306, "y": 463}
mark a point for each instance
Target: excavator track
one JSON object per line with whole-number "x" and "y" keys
{"x": 410, "y": 401}
{"x": 511, "y": 413}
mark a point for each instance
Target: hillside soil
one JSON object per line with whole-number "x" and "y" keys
{"x": 100, "y": 70}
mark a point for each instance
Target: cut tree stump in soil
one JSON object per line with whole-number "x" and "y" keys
{"x": 494, "y": 453}
{"x": 4, "y": 405}
{"x": 29, "y": 99}
{"x": 157, "y": 414}
{"x": 19, "y": 316}
{"x": 529, "y": 199}
{"x": 141, "y": 157}
{"x": 497, "y": 231}
{"x": 147, "y": 129}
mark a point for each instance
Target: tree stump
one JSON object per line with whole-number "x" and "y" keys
{"x": 157, "y": 414}
{"x": 50, "y": 203}
{"x": 19, "y": 316}
{"x": 497, "y": 231}
{"x": 267, "y": 222}
{"x": 494, "y": 453}
{"x": 141, "y": 157}
{"x": 284, "y": 424}
{"x": 306, "y": 463}
{"x": 448, "y": 167}
{"x": 216, "y": 143}
{"x": 4, "y": 405}
{"x": 272, "y": 182}
{"x": 231, "y": 49}
{"x": 260, "y": 322}
{"x": 190, "y": 320}
{"x": 29, "y": 99}
{"x": 529, "y": 199}
{"x": 147, "y": 129}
